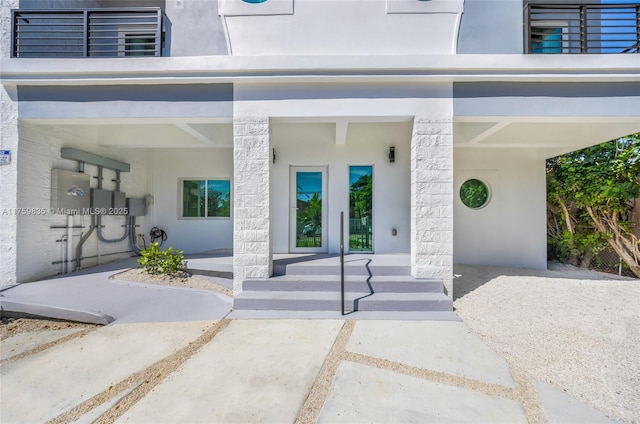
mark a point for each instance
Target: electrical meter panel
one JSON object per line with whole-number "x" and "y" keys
{"x": 119, "y": 203}
{"x": 136, "y": 207}
{"x": 69, "y": 192}
{"x": 100, "y": 200}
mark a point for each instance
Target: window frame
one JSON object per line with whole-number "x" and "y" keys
{"x": 181, "y": 200}
{"x": 565, "y": 35}
{"x": 487, "y": 187}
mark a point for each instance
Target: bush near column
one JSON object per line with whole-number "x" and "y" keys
{"x": 156, "y": 261}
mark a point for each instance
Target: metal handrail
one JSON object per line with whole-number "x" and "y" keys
{"x": 574, "y": 28}
{"x": 105, "y": 32}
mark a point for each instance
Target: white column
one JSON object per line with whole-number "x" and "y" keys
{"x": 5, "y": 26}
{"x": 8, "y": 186}
{"x": 252, "y": 247}
{"x": 432, "y": 199}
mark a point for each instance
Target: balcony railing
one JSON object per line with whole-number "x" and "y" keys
{"x": 581, "y": 28}
{"x": 86, "y": 33}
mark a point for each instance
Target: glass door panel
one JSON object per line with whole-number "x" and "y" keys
{"x": 361, "y": 208}
{"x": 308, "y": 209}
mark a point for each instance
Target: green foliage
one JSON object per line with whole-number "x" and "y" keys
{"x": 361, "y": 197}
{"x": 591, "y": 193}
{"x": 474, "y": 193}
{"x": 218, "y": 203}
{"x": 603, "y": 176}
{"x": 571, "y": 246}
{"x": 156, "y": 261}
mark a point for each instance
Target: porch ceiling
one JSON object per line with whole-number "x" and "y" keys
{"x": 548, "y": 136}
{"x": 178, "y": 134}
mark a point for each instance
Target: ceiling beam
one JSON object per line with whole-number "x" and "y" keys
{"x": 486, "y": 133}
{"x": 341, "y": 132}
{"x": 196, "y": 134}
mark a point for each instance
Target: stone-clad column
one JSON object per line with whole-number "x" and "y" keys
{"x": 8, "y": 141}
{"x": 432, "y": 199}
{"x": 6, "y": 37}
{"x": 8, "y": 185}
{"x": 252, "y": 251}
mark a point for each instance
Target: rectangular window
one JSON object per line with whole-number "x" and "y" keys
{"x": 361, "y": 208}
{"x": 140, "y": 45}
{"x": 546, "y": 40}
{"x": 206, "y": 198}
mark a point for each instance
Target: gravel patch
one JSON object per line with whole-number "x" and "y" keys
{"x": 575, "y": 329}
{"x": 12, "y": 326}
{"x": 181, "y": 279}
{"x": 310, "y": 410}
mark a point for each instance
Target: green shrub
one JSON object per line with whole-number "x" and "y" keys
{"x": 156, "y": 261}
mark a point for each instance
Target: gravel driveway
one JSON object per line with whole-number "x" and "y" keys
{"x": 577, "y": 330}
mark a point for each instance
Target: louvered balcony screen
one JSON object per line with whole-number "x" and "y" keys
{"x": 87, "y": 33}
{"x": 553, "y": 28}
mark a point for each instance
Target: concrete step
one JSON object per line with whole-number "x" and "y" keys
{"x": 359, "y": 315}
{"x": 293, "y": 300}
{"x": 210, "y": 273}
{"x": 405, "y": 302}
{"x": 353, "y": 283}
{"x": 358, "y": 267}
{"x": 330, "y": 301}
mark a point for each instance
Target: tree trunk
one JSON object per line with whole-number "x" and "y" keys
{"x": 567, "y": 216}
{"x": 616, "y": 242}
{"x": 587, "y": 258}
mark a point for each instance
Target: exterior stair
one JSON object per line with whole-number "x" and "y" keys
{"x": 368, "y": 288}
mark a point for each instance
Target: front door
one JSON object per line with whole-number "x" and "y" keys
{"x": 308, "y": 218}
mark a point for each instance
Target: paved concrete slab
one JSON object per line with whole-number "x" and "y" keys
{"x": 560, "y": 408}
{"x": 363, "y": 394}
{"x": 253, "y": 371}
{"x": 127, "y": 302}
{"x": 24, "y": 342}
{"x": 91, "y": 416}
{"x": 23, "y": 308}
{"x": 359, "y": 315}
{"x": 448, "y": 347}
{"x": 46, "y": 384}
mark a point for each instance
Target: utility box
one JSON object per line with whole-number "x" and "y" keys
{"x": 118, "y": 203}
{"x": 136, "y": 207}
{"x": 100, "y": 201}
{"x": 69, "y": 192}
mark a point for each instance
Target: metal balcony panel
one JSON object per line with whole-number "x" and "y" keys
{"x": 86, "y": 32}
{"x": 552, "y": 28}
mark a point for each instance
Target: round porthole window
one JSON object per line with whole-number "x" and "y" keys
{"x": 474, "y": 194}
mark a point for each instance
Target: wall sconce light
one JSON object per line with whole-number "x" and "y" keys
{"x": 274, "y": 155}
{"x": 392, "y": 154}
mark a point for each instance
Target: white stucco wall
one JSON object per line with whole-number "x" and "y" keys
{"x": 511, "y": 230}
{"x": 39, "y": 152}
{"x": 190, "y": 235}
{"x": 330, "y": 27}
{"x": 366, "y": 144}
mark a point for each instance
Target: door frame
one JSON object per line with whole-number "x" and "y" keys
{"x": 373, "y": 209}
{"x": 324, "y": 244}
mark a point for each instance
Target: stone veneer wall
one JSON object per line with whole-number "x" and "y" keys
{"x": 252, "y": 247}
{"x": 8, "y": 185}
{"x": 432, "y": 199}
{"x": 8, "y": 141}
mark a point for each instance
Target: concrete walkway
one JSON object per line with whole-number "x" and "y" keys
{"x": 91, "y": 296}
{"x": 173, "y": 355}
{"x": 275, "y": 371}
